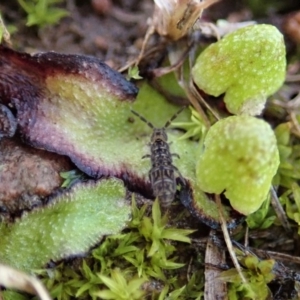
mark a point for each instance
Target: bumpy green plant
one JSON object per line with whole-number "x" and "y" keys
{"x": 69, "y": 226}
{"x": 240, "y": 158}
{"x": 248, "y": 65}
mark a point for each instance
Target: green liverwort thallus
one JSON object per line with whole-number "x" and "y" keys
{"x": 247, "y": 65}
{"x": 240, "y": 158}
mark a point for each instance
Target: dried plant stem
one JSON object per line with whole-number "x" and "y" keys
{"x": 279, "y": 210}
{"x": 191, "y": 97}
{"x": 174, "y": 66}
{"x": 228, "y": 240}
{"x": 14, "y": 279}
{"x": 149, "y": 33}
{"x": 197, "y": 106}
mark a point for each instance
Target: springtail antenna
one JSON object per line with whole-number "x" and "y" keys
{"x": 174, "y": 116}
{"x": 143, "y": 119}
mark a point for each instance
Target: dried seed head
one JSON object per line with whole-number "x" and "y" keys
{"x": 174, "y": 18}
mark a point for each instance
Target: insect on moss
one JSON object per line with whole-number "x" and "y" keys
{"x": 163, "y": 173}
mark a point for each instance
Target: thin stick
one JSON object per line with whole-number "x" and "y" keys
{"x": 149, "y": 33}
{"x": 15, "y": 279}
{"x": 246, "y": 242}
{"x": 228, "y": 240}
{"x": 166, "y": 70}
{"x": 191, "y": 97}
{"x": 201, "y": 100}
{"x": 279, "y": 210}
{"x": 194, "y": 91}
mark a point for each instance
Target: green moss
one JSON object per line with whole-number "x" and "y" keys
{"x": 195, "y": 128}
{"x": 71, "y": 177}
{"x": 133, "y": 73}
{"x": 120, "y": 288}
{"x": 257, "y": 272}
{"x": 42, "y": 12}
{"x": 263, "y": 218}
{"x": 289, "y": 154}
{"x": 12, "y": 295}
{"x": 292, "y": 205}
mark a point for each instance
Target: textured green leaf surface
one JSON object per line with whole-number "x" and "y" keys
{"x": 70, "y": 225}
{"x": 79, "y": 107}
{"x": 70, "y": 104}
{"x": 240, "y": 157}
{"x": 248, "y": 65}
